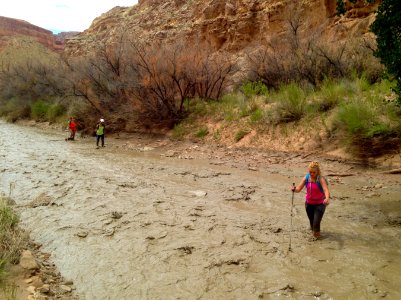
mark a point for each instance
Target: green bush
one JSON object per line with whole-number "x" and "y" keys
{"x": 253, "y": 88}
{"x": 10, "y": 237}
{"x": 257, "y": 115}
{"x": 240, "y": 135}
{"x": 354, "y": 118}
{"x": 14, "y": 109}
{"x": 331, "y": 93}
{"x": 248, "y": 108}
{"x": 12, "y": 241}
{"x": 40, "y": 110}
{"x": 200, "y": 107}
{"x": 179, "y": 131}
{"x": 290, "y": 104}
{"x": 369, "y": 128}
{"x": 230, "y": 104}
{"x": 55, "y": 111}
{"x": 217, "y": 135}
{"x": 387, "y": 27}
{"x": 8, "y": 219}
{"x": 202, "y": 132}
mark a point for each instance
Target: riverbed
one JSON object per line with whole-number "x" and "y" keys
{"x": 143, "y": 219}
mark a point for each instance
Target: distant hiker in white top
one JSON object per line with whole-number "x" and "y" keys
{"x": 100, "y": 129}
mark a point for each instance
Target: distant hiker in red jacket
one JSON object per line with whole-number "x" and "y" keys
{"x": 72, "y": 126}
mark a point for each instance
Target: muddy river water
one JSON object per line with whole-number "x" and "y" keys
{"x": 125, "y": 224}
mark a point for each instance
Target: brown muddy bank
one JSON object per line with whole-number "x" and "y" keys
{"x": 152, "y": 219}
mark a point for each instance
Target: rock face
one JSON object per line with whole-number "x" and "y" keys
{"x": 231, "y": 25}
{"x": 60, "y": 38}
{"x": 12, "y": 27}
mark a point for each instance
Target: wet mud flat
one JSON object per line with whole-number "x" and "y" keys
{"x": 141, "y": 220}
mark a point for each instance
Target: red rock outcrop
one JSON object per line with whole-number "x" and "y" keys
{"x": 12, "y": 27}
{"x": 232, "y": 25}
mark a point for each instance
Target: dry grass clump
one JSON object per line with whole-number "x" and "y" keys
{"x": 12, "y": 239}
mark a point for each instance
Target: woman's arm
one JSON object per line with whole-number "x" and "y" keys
{"x": 300, "y": 186}
{"x": 326, "y": 191}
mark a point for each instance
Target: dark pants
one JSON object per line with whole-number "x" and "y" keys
{"x": 315, "y": 214}
{"x": 72, "y": 135}
{"x": 100, "y": 137}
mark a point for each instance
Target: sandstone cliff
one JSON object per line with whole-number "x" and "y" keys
{"x": 232, "y": 25}
{"x": 12, "y": 27}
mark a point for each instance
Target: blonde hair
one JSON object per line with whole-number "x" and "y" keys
{"x": 315, "y": 166}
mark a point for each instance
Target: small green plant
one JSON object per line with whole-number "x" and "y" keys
{"x": 248, "y": 107}
{"x": 362, "y": 83}
{"x": 354, "y": 118}
{"x": 200, "y": 107}
{"x": 217, "y": 135}
{"x": 368, "y": 128}
{"x": 179, "y": 131}
{"x": 8, "y": 219}
{"x": 331, "y": 94}
{"x": 14, "y": 109}
{"x": 257, "y": 115}
{"x": 229, "y": 106}
{"x": 10, "y": 290}
{"x": 202, "y": 132}
{"x": 12, "y": 241}
{"x": 55, "y": 111}
{"x": 253, "y": 88}
{"x": 240, "y": 135}
{"x": 9, "y": 237}
{"x": 39, "y": 110}
{"x": 290, "y": 104}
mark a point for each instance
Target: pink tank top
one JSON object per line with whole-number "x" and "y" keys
{"x": 313, "y": 194}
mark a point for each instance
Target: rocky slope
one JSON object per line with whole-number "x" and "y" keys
{"x": 233, "y": 25}
{"x": 10, "y": 28}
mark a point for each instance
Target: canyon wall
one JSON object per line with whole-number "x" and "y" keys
{"x": 232, "y": 25}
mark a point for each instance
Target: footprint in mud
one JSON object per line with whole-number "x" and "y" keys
{"x": 196, "y": 212}
{"x": 239, "y": 193}
{"x": 394, "y": 221}
{"x": 41, "y": 200}
{"x": 116, "y": 215}
{"x": 229, "y": 262}
{"x": 82, "y": 234}
{"x": 157, "y": 236}
{"x": 186, "y": 249}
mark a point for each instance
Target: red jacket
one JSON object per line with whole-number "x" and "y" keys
{"x": 72, "y": 126}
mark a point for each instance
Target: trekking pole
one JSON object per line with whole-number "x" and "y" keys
{"x": 292, "y": 204}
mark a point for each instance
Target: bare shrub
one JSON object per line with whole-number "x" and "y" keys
{"x": 167, "y": 76}
{"x": 213, "y": 74}
{"x": 99, "y": 78}
{"x": 296, "y": 58}
{"x": 21, "y": 85}
{"x": 29, "y": 71}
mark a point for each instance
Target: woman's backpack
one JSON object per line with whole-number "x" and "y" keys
{"x": 317, "y": 181}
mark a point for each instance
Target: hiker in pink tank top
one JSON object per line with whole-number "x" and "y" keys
{"x": 317, "y": 196}
{"x": 313, "y": 194}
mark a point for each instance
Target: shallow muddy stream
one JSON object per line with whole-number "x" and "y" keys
{"x": 124, "y": 224}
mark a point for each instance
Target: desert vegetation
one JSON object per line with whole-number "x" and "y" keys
{"x": 350, "y": 112}
{"x": 12, "y": 241}
{"x": 295, "y": 79}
